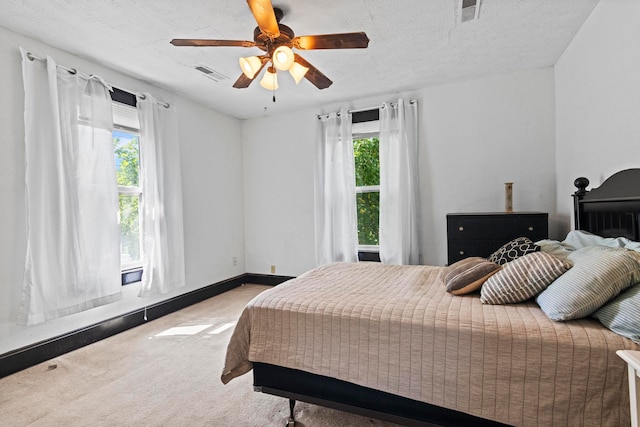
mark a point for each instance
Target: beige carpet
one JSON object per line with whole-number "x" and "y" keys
{"x": 163, "y": 373}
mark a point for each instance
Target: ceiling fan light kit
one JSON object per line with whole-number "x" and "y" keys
{"x": 250, "y": 66}
{"x": 297, "y": 71}
{"x": 277, "y": 41}
{"x": 282, "y": 58}
{"x": 270, "y": 79}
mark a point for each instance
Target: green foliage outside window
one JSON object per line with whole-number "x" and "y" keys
{"x": 127, "y": 157}
{"x": 367, "y": 166}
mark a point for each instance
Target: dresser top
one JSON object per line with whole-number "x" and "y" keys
{"x": 498, "y": 213}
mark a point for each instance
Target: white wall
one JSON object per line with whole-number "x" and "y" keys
{"x": 474, "y": 136}
{"x": 598, "y": 100}
{"x": 279, "y": 219}
{"x": 211, "y": 155}
{"x": 212, "y": 183}
{"x": 480, "y": 134}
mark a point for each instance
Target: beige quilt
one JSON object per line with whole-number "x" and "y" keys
{"x": 395, "y": 329}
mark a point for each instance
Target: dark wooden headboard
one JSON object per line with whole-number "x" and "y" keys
{"x": 611, "y": 210}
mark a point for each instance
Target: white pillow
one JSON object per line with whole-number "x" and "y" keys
{"x": 634, "y": 246}
{"x": 622, "y": 314}
{"x": 580, "y": 239}
{"x": 557, "y": 249}
{"x": 599, "y": 273}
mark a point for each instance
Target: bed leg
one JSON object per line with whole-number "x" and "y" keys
{"x": 292, "y": 421}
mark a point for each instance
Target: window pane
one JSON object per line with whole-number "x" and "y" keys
{"x": 127, "y": 151}
{"x": 367, "y": 161}
{"x": 368, "y": 205}
{"x": 130, "y": 228}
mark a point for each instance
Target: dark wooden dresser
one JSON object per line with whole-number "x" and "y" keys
{"x": 482, "y": 233}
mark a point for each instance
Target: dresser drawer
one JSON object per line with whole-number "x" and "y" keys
{"x": 508, "y": 226}
{"x": 481, "y": 234}
{"x": 459, "y": 249}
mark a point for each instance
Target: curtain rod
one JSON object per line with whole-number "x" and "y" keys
{"x": 164, "y": 104}
{"x": 375, "y": 107}
{"x": 33, "y": 57}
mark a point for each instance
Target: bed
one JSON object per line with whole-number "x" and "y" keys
{"x": 390, "y": 342}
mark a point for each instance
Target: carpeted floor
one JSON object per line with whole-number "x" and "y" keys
{"x": 163, "y": 373}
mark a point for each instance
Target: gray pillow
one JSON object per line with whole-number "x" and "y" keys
{"x": 599, "y": 273}
{"x": 522, "y": 278}
{"x": 468, "y": 275}
{"x": 622, "y": 314}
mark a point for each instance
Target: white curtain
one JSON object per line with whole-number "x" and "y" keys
{"x": 73, "y": 238}
{"x": 335, "y": 207}
{"x": 161, "y": 181}
{"x": 399, "y": 194}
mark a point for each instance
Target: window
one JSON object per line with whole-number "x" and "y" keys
{"x": 126, "y": 144}
{"x": 366, "y": 149}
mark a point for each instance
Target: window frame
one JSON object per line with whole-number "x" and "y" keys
{"x": 367, "y": 125}
{"x": 129, "y": 190}
{"x": 130, "y": 272}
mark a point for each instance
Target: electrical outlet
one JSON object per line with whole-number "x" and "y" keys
{"x": 273, "y": 269}
{"x": 234, "y": 260}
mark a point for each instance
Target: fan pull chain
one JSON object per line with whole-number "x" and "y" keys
{"x": 274, "y": 86}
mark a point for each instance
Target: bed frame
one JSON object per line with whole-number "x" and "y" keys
{"x": 332, "y": 393}
{"x": 611, "y": 210}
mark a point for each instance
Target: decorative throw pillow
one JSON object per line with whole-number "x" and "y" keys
{"x": 468, "y": 275}
{"x": 522, "y": 278}
{"x": 557, "y": 249}
{"x": 513, "y": 250}
{"x": 599, "y": 273}
{"x": 622, "y": 314}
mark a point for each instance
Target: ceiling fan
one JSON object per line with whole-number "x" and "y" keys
{"x": 277, "y": 41}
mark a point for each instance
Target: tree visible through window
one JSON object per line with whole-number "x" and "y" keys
{"x": 127, "y": 155}
{"x": 367, "y": 167}
{"x": 126, "y": 146}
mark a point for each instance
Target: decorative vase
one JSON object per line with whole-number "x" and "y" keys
{"x": 508, "y": 196}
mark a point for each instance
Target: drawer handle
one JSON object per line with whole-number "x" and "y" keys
{"x": 530, "y": 228}
{"x": 461, "y": 252}
{"x": 461, "y": 228}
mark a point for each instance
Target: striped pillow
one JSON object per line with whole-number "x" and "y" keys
{"x": 468, "y": 275}
{"x": 599, "y": 273}
{"x": 622, "y": 315}
{"x": 522, "y": 278}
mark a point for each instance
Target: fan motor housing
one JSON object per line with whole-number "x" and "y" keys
{"x": 267, "y": 44}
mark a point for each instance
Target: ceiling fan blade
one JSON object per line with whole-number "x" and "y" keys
{"x": 332, "y": 41}
{"x": 265, "y": 17}
{"x": 314, "y": 75}
{"x": 206, "y": 42}
{"x": 244, "y": 81}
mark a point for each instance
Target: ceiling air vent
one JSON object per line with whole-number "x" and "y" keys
{"x": 470, "y": 10}
{"x": 212, "y": 74}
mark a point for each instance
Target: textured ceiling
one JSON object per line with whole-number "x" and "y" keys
{"x": 414, "y": 43}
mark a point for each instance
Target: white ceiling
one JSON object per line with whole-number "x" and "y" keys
{"x": 414, "y": 43}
